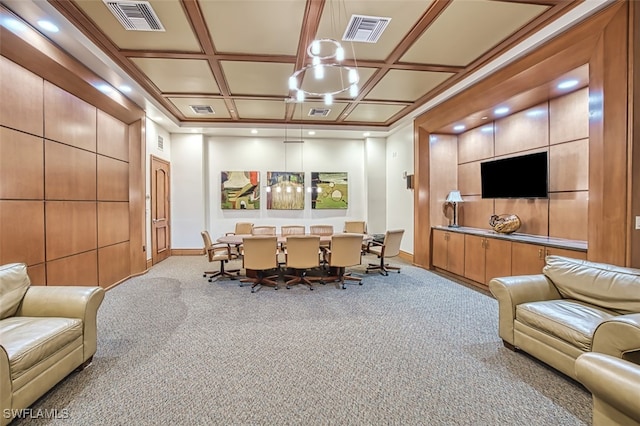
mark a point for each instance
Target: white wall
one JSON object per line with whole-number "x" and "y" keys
{"x": 187, "y": 190}
{"x": 376, "y": 185}
{"x": 271, "y": 154}
{"x": 371, "y": 164}
{"x": 400, "y": 199}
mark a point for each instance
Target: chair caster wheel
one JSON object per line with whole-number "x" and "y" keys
{"x": 311, "y": 289}
{"x": 359, "y": 283}
{"x": 288, "y": 288}
{"x": 253, "y": 291}
{"x": 204, "y": 275}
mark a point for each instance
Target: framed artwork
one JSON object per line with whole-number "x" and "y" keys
{"x": 285, "y": 191}
{"x": 329, "y": 190}
{"x": 240, "y": 190}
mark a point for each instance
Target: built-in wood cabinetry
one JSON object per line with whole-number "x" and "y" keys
{"x": 480, "y": 255}
{"x": 528, "y": 259}
{"x": 448, "y": 251}
{"x": 486, "y": 258}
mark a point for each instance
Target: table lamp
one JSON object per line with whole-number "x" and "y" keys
{"x": 454, "y": 198}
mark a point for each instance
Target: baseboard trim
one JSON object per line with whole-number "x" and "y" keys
{"x": 406, "y": 256}
{"x": 186, "y": 252}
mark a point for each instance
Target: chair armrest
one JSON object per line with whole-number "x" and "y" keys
{"x": 5, "y": 382}
{"x": 512, "y": 291}
{"x": 619, "y": 337}
{"x": 66, "y": 302}
{"x": 613, "y": 382}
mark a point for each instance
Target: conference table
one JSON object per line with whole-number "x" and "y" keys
{"x": 236, "y": 240}
{"x": 325, "y": 240}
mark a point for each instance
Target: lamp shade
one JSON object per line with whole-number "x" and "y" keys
{"x": 454, "y": 197}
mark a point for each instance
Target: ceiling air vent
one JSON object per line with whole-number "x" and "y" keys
{"x": 366, "y": 29}
{"x": 202, "y": 109}
{"x": 160, "y": 143}
{"x": 135, "y": 15}
{"x": 319, "y": 112}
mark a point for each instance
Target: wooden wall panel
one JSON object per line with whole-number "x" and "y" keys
{"x": 137, "y": 201}
{"x": 113, "y": 264}
{"x": 569, "y": 117}
{"x": 533, "y": 213}
{"x": 71, "y": 228}
{"x": 113, "y": 223}
{"x": 469, "y": 178}
{"x": 475, "y": 212}
{"x": 21, "y": 165}
{"x": 68, "y": 119}
{"x": 25, "y": 92}
{"x": 522, "y": 131}
{"x": 37, "y": 274}
{"x": 80, "y": 269}
{"x": 112, "y": 137}
{"x": 476, "y": 144}
{"x": 569, "y": 166}
{"x": 113, "y": 179}
{"x": 443, "y": 175}
{"x": 608, "y": 160}
{"x": 568, "y": 212}
{"x": 70, "y": 172}
{"x": 22, "y": 232}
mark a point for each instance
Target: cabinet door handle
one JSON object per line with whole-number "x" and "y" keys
{"x": 539, "y": 253}
{"x": 486, "y": 243}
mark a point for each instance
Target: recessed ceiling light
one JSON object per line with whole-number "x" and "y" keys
{"x": 568, "y": 84}
{"x": 104, "y": 88}
{"x": 311, "y": 133}
{"x": 124, "y": 88}
{"x": 48, "y": 26}
{"x": 458, "y": 128}
{"x": 485, "y": 118}
{"x": 366, "y": 134}
{"x": 487, "y": 129}
{"x": 13, "y": 24}
{"x": 501, "y": 110}
{"x": 254, "y": 131}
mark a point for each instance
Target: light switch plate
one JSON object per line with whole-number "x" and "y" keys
{"x": 637, "y": 222}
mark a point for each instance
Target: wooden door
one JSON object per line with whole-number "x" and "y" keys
{"x": 439, "y": 251}
{"x": 497, "y": 259}
{"x": 455, "y": 253}
{"x": 160, "y": 208}
{"x": 526, "y": 259}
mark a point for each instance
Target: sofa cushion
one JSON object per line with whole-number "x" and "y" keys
{"x": 29, "y": 340}
{"x": 569, "y": 320}
{"x": 14, "y": 283}
{"x": 608, "y": 286}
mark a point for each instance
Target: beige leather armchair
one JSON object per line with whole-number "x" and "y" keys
{"x": 615, "y": 386}
{"x": 573, "y": 307}
{"x": 45, "y": 333}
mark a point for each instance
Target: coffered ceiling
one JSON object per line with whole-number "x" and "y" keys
{"x": 232, "y": 58}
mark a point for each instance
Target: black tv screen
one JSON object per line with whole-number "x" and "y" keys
{"x": 524, "y": 176}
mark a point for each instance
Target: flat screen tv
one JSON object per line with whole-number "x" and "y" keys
{"x": 523, "y": 176}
